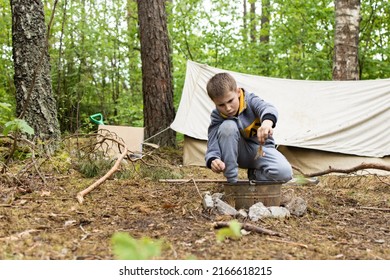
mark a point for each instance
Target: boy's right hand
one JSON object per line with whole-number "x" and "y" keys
{"x": 217, "y": 165}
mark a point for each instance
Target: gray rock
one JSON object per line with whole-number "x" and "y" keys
{"x": 279, "y": 212}
{"x": 242, "y": 213}
{"x": 223, "y": 208}
{"x": 217, "y": 195}
{"x": 286, "y": 196}
{"x": 258, "y": 211}
{"x": 207, "y": 202}
{"x": 297, "y": 206}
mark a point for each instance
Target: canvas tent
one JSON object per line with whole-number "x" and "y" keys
{"x": 321, "y": 123}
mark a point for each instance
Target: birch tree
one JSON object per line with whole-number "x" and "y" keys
{"x": 346, "y": 41}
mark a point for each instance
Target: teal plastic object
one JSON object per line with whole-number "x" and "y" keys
{"x": 97, "y": 118}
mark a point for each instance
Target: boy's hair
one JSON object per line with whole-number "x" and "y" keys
{"x": 220, "y": 84}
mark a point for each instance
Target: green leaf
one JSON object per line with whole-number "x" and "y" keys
{"x": 233, "y": 231}
{"x": 18, "y": 125}
{"x": 126, "y": 247}
{"x": 5, "y": 106}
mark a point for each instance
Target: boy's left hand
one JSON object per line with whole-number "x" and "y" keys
{"x": 264, "y": 131}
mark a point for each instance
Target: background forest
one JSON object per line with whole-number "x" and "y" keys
{"x": 95, "y": 55}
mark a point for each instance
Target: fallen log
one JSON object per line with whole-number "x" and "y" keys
{"x": 249, "y": 227}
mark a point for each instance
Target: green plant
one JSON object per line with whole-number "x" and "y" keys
{"x": 5, "y": 110}
{"x": 17, "y": 126}
{"x": 156, "y": 173}
{"x": 93, "y": 167}
{"x": 126, "y": 247}
{"x": 233, "y": 231}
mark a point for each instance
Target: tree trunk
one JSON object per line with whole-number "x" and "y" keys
{"x": 345, "y": 60}
{"x": 244, "y": 16}
{"x": 157, "y": 85}
{"x": 265, "y": 18}
{"x": 253, "y": 22}
{"x": 34, "y": 98}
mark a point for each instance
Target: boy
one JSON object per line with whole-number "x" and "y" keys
{"x": 240, "y": 123}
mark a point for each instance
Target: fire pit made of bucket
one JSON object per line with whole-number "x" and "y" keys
{"x": 244, "y": 194}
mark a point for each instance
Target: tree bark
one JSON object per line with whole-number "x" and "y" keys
{"x": 345, "y": 60}
{"x": 265, "y": 19}
{"x": 34, "y": 98}
{"x": 157, "y": 86}
{"x": 253, "y": 22}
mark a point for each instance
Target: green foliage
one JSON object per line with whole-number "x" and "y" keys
{"x": 17, "y": 125}
{"x": 232, "y": 232}
{"x": 94, "y": 167}
{"x": 5, "y": 110}
{"x": 156, "y": 173}
{"x": 96, "y": 63}
{"x": 60, "y": 162}
{"x": 125, "y": 247}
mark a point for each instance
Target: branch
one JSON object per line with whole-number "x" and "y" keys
{"x": 80, "y": 195}
{"x": 249, "y": 227}
{"x": 375, "y": 208}
{"x": 348, "y": 170}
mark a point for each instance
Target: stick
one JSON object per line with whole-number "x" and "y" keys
{"x": 349, "y": 170}
{"x": 288, "y": 242}
{"x": 20, "y": 235}
{"x": 191, "y": 180}
{"x": 376, "y": 208}
{"x": 249, "y": 227}
{"x": 80, "y": 195}
{"x": 196, "y": 186}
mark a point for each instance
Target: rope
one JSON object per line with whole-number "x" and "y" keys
{"x": 158, "y": 133}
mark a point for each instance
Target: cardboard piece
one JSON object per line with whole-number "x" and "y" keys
{"x": 132, "y": 136}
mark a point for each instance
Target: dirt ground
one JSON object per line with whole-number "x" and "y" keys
{"x": 348, "y": 217}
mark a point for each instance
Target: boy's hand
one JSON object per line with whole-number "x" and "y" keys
{"x": 217, "y": 165}
{"x": 264, "y": 131}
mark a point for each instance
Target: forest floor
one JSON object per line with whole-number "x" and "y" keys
{"x": 347, "y": 217}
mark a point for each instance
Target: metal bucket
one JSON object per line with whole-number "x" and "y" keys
{"x": 244, "y": 194}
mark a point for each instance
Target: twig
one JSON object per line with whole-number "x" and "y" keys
{"x": 348, "y": 170}
{"x": 184, "y": 181}
{"x": 288, "y": 242}
{"x": 80, "y": 195}
{"x": 19, "y": 235}
{"x": 7, "y": 205}
{"x": 37, "y": 169}
{"x": 249, "y": 227}
{"x": 375, "y": 208}
{"x": 196, "y": 186}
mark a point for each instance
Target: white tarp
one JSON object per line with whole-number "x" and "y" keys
{"x": 349, "y": 117}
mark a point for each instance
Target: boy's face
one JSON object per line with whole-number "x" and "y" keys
{"x": 229, "y": 103}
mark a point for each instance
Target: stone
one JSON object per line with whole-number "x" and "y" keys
{"x": 258, "y": 211}
{"x": 297, "y": 206}
{"x": 208, "y": 201}
{"x": 217, "y": 195}
{"x": 286, "y": 196}
{"x": 279, "y": 212}
{"x": 223, "y": 208}
{"x": 242, "y": 213}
